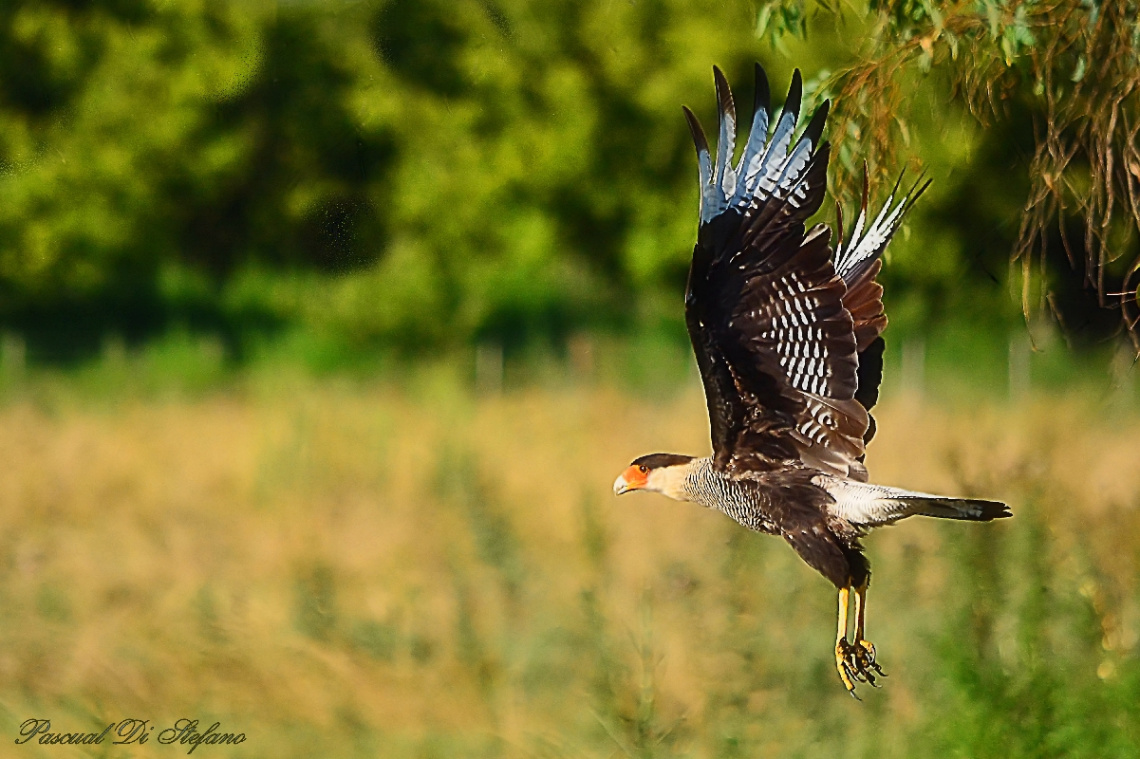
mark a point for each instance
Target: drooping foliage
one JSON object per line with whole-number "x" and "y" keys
{"x": 1065, "y": 71}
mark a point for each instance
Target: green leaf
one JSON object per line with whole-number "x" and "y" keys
{"x": 1079, "y": 73}
{"x": 763, "y": 20}
{"x": 926, "y": 59}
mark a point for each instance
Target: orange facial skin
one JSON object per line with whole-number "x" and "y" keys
{"x": 633, "y": 478}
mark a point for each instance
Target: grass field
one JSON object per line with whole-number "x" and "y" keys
{"x": 346, "y": 568}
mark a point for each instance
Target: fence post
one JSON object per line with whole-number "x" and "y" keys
{"x": 913, "y": 371}
{"x": 1019, "y": 375}
{"x": 13, "y": 355}
{"x": 489, "y": 368}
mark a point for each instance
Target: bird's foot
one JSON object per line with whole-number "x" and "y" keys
{"x": 861, "y": 660}
{"x": 856, "y": 664}
{"x": 843, "y": 654}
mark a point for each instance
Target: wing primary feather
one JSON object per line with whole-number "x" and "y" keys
{"x": 723, "y": 174}
{"x": 762, "y": 96}
{"x": 915, "y": 191}
{"x": 861, "y": 219}
{"x": 838, "y": 228}
{"x": 704, "y": 159}
{"x": 905, "y": 204}
{"x": 853, "y": 261}
{"x": 886, "y": 222}
{"x": 788, "y": 179}
{"x": 749, "y": 167}
{"x": 801, "y": 154}
{"x": 777, "y": 151}
{"x": 795, "y": 93}
{"x": 888, "y": 215}
{"x": 895, "y": 189}
{"x": 814, "y": 128}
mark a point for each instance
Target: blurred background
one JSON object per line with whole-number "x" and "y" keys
{"x": 326, "y": 326}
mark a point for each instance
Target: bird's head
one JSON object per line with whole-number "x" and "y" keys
{"x": 663, "y": 473}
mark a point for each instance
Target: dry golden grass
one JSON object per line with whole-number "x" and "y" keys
{"x": 343, "y": 570}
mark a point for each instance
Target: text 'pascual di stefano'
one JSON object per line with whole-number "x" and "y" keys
{"x": 184, "y": 732}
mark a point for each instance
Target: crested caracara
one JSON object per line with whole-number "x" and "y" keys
{"x": 786, "y": 333}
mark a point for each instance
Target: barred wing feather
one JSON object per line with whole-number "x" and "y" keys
{"x": 764, "y": 304}
{"x": 786, "y": 334}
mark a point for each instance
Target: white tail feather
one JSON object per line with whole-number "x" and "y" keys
{"x": 868, "y": 505}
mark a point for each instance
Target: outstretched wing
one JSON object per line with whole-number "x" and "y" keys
{"x": 768, "y": 312}
{"x": 858, "y": 263}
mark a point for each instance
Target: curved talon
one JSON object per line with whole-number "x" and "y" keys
{"x": 859, "y": 661}
{"x": 847, "y": 673}
{"x": 855, "y": 661}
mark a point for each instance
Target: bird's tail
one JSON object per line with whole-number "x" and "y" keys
{"x": 971, "y": 509}
{"x": 869, "y": 505}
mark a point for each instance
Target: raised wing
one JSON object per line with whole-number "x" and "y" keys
{"x": 858, "y": 263}
{"x": 768, "y": 313}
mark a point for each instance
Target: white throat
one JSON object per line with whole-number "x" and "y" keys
{"x": 671, "y": 481}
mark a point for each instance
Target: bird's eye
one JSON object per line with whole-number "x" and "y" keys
{"x": 643, "y": 469}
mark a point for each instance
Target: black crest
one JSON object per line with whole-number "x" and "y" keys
{"x": 661, "y": 460}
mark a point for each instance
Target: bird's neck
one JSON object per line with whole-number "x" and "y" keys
{"x": 680, "y": 482}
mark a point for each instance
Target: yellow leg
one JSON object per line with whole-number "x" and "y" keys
{"x": 844, "y": 598}
{"x": 862, "y": 660}
{"x": 842, "y": 647}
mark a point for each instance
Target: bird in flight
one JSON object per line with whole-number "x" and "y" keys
{"x": 787, "y": 336}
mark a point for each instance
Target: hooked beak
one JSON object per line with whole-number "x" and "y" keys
{"x": 631, "y": 479}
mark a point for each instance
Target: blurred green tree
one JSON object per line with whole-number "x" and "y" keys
{"x": 419, "y": 173}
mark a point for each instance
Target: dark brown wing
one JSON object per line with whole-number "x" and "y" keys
{"x": 764, "y": 305}
{"x": 858, "y": 263}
